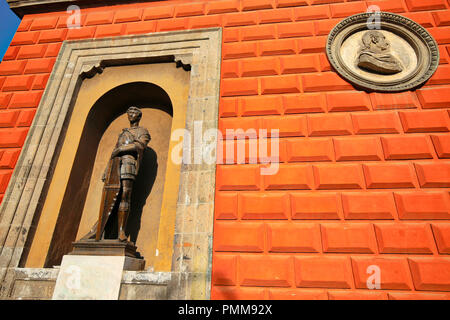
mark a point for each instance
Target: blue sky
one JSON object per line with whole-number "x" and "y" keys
{"x": 8, "y": 26}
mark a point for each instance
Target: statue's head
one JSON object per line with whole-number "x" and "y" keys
{"x": 134, "y": 114}
{"x": 375, "y": 41}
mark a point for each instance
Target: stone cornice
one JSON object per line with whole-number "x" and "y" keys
{"x": 23, "y": 7}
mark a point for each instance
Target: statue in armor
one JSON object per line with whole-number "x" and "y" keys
{"x": 119, "y": 176}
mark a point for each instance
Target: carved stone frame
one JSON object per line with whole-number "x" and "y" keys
{"x": 199, "y": 50}
{"x": 418, "y": 37}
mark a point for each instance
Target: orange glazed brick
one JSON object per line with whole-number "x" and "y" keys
{"x": 130, "y": 15}
{"x": 9, "y": 159}
{"x": 222, "y": 6}
{"x": 421, "y": 5}
{"x": 388, "y": 5}
{"x": 226, "y": 206}
{"x": 230, "y": 35}
{"x": 18, "y": 83}
{"x": 322, "y": 272}
{"x": 110, "y": 31}
{"x": 239, "y": 236}
{"x": 312, "y": 206}
{"x": 12, "y": 138}
{"x": 205, "y": 22}
{"x": 368, "y": 205}
{"x": 224, "y": 270}
{"x": 277, "y": 47}
{"x": 296, "y": 29}
{"x": 299, "y": 150}
{"x": 436, "y": 97}
{"x": 96, "y": 18}
{"x": 289, "y": 237}
{"x": 239, "y": 87}
{"x": 270, "y": 206}
{"x": 304, "y": 103}
{"x": 348, "y": 101}
{"x": 53, "y": 50}
{"x": 442, "y": 235}
{"x": 230, "y": 128}
{"x": 44, "y": 23}
{"x": 57, "y": 35}
{"x": 189, "y": 9}
{"x": 4, "y": 99}
{"x": 329, "y": 125}
{"x": 23, "y": 38}
{"x": 26, "y": 118}
{"x": 4, "y": 180}
{"x": 356, "y": 295}
{"x": 394, "y": 272}
{"x": 36, "y": 51}
{"x": 380, "y": 122}
{"x": 299, "y": 64}
{"x": 312, "y": 44}
{"x": 343, "y": 176}
{"x": 239, "y": 50}
{"x": 241, "y": 19}
{"x": 280, "y": 84}
{"x": 40, "y": 65}
{"x": 422, "y": 205}
{"x": 351, "y": 238}
{"x": 433, "y": 174}
{"x": 425, "y": 19}
{"x": 252, "y": 106}
{"x": 230, "y": 69}
{"x": 8, "y": 118}
{"x": 26, "y": 99}
{"x": 257, "y": 4}
{"x": 11, "y": 53}
{"x": 264, "y": 32}
{"x": 40, "y": 81}
{"x": 349, "y": 149}
{"x": 260, "y": 67}
{"x": 298, "y": 294}
{"x": 254, "y": 271}
{"x": 403, "y": 100}
{"x": 324, "y": 27}
{"x": 8, "y": 68}
{"x": 141, "y": 27}
{"x": 425, "y": 121}
{"x": 270, "y": 16}
{"x": 441, "y": 76}
{"x": 160, "y": 12}
{"x": 292, "y": 126}
{"x": 406, "y": 147}
{"x": 442, "y": 145}
{"x": 442, "y": 18}
{"x": 24, "y": 24}
{"x": 391, "y": 175}
{"x": 291, "y": 3}
{"x": 404, "y": 238}
{"x": 245, "y": 177}
{"x": 418, "y": 296}
{"x": 237, "y": 293}
{"x": 228, "y": 107}
{"x": 82, "y": 33}
{"x": 431, "y": 274}
{"x": 441, "y": 34}
{"x": 343, "y": 10}
{"x": 324, "y": 82}
{"x": 312, "y": 13}
{"x": 290, "y": 177}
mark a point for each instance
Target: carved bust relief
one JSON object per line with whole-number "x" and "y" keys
{"x": 400, "y": 55}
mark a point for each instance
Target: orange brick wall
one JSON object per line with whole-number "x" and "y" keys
{"x": 364, "y": 178}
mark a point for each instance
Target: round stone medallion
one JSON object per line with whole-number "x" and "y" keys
{"x": 398, "y": 55}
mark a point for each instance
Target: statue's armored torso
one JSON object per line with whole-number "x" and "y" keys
{"x": 130, "y": 161}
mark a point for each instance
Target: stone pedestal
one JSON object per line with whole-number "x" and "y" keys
{"x": 84, "y": 277}
{"x": 104, "y": 248}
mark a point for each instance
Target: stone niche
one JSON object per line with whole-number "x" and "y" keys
{"x": 54, "y": 195}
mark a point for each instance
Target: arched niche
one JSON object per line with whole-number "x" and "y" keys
{"x": 98, "y": 116}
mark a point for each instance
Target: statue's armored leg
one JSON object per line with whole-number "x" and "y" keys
{"x": 124, "y": 209}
